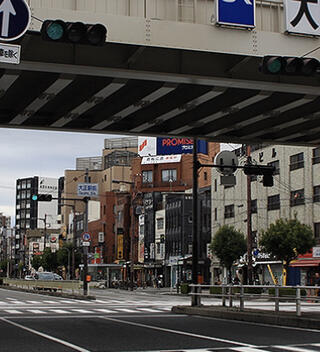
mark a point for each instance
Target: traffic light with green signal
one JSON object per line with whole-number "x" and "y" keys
{"x": 73, "y": 32}
{"x": 42, "y": 197}
{"x": 283, "y": 65}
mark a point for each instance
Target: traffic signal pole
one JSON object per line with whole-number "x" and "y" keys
{"x": 249, "y": 222}
{"x": 85, "y": 248}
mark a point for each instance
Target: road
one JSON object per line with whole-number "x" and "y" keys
{"x": 126, "y": 321}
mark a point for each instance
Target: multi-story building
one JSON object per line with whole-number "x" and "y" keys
{"x": 5, "y": 221}
{"x": 296, "y": 192}
{"x": 36, "y": 222}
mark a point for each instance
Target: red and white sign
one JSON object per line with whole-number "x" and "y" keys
{"x": 161, "y": 159}
{"x": 147, "y": 146}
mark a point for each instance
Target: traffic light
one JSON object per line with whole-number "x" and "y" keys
{"x": 73, "y": 32}
{"x": 298, "y": 66}
{"x": 265, "y": 170}
{"x": 42, "y": 197}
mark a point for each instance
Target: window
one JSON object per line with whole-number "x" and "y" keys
{"x": 296, "y": 161}
{"x": 276, "y": 165}
{"x": 253, "y": 178}
{"x": 274, "y": 202}
{"x": 160, "y": 223}
{"x": 169, "y": 175}
{"x": 297, "y": 197}
{"x": 229, "y": 211}
{"x": 158, "y": 248}
{"x": 147, "y": 176}
{"x": 316, "y": 155}
{"x": 316, "y": 227}
{"x": 254, "y": 208}
{"x": 215, "y": 185}
{"x": 205, "y": 176}
{"x": 316, "y": 193}
{"x": 215, "y": 214}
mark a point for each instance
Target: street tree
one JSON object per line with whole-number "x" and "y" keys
{"x": 49, "y": 260}
{"x": 228, "y": 245}
{"x": 36, "y": 262}
{"x": 285, "y": 239}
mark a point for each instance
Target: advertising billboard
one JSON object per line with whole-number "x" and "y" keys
{"x": 152, "y": 146}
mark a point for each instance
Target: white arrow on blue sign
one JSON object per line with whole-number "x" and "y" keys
{"x": 15, "y": 18}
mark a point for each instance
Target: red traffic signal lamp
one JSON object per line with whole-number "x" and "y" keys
{"x": 73, "y": 32}
{"x": 283, "y": 65}
{"x": 266, "y": 170}
{"x": 42, "y": 197}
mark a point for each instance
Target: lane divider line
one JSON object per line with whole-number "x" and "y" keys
{"x": 48, "y": 337}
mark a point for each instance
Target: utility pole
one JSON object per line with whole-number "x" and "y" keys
{"x": 132, "y": 240}
{"x": 249, "y": 222}
{"x": 45, "y": 232}
{"x": 195, "y": 298}
{"x": 85, "y": 248}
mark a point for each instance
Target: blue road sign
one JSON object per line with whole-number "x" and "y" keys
{"x": 86, "y": 236}
{"x": 236, "y": 12}
{"x": 14, "y": 19}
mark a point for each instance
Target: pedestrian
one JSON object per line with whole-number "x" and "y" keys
{"x": 317, "y": 283}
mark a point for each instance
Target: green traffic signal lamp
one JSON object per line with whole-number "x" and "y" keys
{"x": 73, "y": 32}
{"x": 42, "y": 197}
{"x": 271, "y": 65}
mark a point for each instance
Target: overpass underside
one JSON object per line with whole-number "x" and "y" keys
{"x": 147, "y": 90}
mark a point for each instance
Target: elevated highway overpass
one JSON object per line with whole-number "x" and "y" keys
{"x": 166, "y": 69}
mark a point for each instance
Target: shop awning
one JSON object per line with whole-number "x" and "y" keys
{"x": 305, "y": 262}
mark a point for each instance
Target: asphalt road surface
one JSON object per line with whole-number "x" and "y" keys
{"x": 126, "y": 321}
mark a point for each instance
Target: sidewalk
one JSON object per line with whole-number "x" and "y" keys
{"x": 310, "y": 320}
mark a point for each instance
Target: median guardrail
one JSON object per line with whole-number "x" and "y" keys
{"x": 66, "y": 286}
{"x": 241, "y": 293}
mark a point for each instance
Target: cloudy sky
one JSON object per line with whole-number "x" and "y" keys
{"x": 26, "y": 153}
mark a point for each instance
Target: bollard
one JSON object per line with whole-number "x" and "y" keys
{"x": 241, "y": 298}
{"x": 276, "y": 299}
{"x": 230, "y": 296}
{"x": 298, "y": 302}
{"x": 223, "y": 296}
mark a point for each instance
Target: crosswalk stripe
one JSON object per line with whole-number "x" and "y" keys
{"x": 246, "y": 349}
{"x": 13, "y": 311}
{"x": 148, "y": 310}
{"x": 33, "y": 302}
{"x": 66, "y": 301}
{"x": 294, "y": 349}
{"x": 125, "y": 310}
{"x": 84, "y": 311}
{"x": 51, "y": 302}
{"x": 104, "y": 310}
{"x": 165, "y": 308}
{"x": 100, "y": 301}
{"x": 36, "y": 311}
{"x": 59, "y": 311}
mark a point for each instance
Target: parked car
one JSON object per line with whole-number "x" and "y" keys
{"x": 57, "y": 277}
{"x": 29, "y": 277}
{"x": 45, "y": 275}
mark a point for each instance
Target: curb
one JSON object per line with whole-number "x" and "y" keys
{"x": 252, "y": 316}
{"x": 48, "y": 293}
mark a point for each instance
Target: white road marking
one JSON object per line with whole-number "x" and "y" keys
{"x": 48, "y": 337}
{"x": 12, "y": 311}
{"x": 246, "y": 349}
{"x": 36, "y": 311}
{"x": 33, "y": 302}
{"x": 69, "y": 302}
{"x": 294, "y": 349}
{"x": 51, "y": 302}
{"x": 125, "y": 310}
{"x": 59, "y": 311}
{"x": 104, "y": 310}
{"x": 148, "y": 310}
{"x": 100, "y": 301}
{"x": 84, "y": 311}
{"x": 178, "y": 332}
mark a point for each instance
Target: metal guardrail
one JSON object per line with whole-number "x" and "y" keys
{"x": 249, "y": 292}
{"x": 55, "y": 285}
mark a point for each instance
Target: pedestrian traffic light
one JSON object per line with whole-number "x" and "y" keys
{"x": 73, "y": 32}
{"x": 266, "y": 170}
{"x": 299, "y": 66}
{"x": 42, "y": 197}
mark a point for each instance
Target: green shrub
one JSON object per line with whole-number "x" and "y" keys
{"x": 185, "y": 288}
{"x": 253, "y": 290}
{"x": 286, "y": 292}
{"x": 215, "y": 290}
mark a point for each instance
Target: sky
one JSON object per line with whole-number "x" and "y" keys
{"x": 28, "y": 153}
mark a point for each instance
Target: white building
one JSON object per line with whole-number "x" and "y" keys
{"x": 296, "y": 190}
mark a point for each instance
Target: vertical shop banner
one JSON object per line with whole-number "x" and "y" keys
{"x": 236, "y": 12}
{"x": 302, "y": 16}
